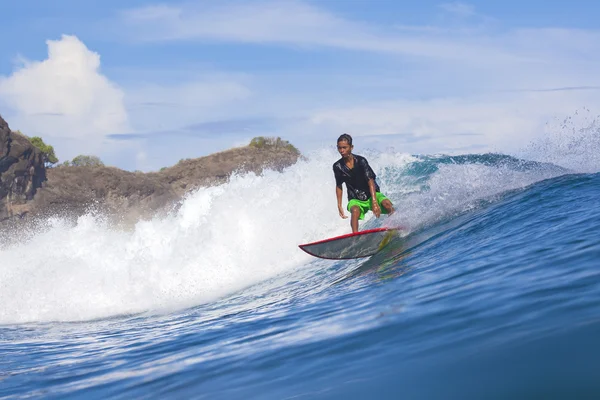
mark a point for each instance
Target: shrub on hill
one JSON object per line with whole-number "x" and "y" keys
{"x": 84, "y": 161}
{"x": 265, "y": 142}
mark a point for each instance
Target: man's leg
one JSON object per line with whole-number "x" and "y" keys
{"x": 388, "y": 206}
{"x": 355, "y": 212}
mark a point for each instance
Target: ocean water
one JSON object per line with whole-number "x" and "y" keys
{"x": 491, "y": 291}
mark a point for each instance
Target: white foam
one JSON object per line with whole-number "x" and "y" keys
{"x": 221, "y": 239}
{"x": 572, "y": 143}
{"x": 458, "y": 188}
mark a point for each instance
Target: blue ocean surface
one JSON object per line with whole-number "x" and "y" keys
{"x": 491, "y": 291}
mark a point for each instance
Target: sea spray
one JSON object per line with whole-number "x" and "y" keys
{"x": 222, "y": 238}
{"x": 227, "y": 237}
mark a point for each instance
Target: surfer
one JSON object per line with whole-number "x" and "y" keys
{"x": 363, "y": 191}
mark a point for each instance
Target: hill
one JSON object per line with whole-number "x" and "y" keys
{"x": 29, "y": 190}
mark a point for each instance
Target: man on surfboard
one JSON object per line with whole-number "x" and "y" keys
{"x": 363, "y": 191}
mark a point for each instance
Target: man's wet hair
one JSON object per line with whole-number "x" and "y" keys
{"x": 345, "y": 138}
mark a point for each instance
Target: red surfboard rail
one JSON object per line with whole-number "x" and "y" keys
{"x": 353, "y": 245}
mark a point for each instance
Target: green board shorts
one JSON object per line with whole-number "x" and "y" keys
{"x": 367, "y": 205}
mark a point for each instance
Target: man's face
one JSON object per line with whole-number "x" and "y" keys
{"x": 344, "y": 148}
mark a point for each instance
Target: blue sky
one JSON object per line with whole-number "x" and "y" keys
{"x": 143, "y": 84}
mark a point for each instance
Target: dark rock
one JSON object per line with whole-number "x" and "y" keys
{"x": 125, "y": 196}
{"x": 22, "y": 172}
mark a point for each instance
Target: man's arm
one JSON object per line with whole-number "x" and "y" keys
{"x": 339, "y": 190}
{"x": 370, "y": 175}
{"x": 375, "y": 205}
{"x": 338, "y": 193}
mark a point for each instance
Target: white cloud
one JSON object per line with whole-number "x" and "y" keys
{"x": 459, "y": 9}
{"x": 65, "y": 95}
{"x": 156, "y": 106}
{"x": 447, "y": 86}
{"x": 506, "y": 122}
{"x": 295, "y": 23}
{"x": 73, "y": 106}
{"x": 285, "y": 21}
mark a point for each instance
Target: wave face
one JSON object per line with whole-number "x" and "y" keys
{"x": 493, "y": 291}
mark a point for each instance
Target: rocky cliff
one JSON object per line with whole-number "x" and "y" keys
{"x": 22, "y": 172}
{"x": 29, "y": 190}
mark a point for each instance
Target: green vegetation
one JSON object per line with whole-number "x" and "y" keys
{"x": 50, "y": 158}
{"x": 86, "y": 161}
{"x": 83, "y": 161}
{"x": 264, "y": 142}
{"x": 47, "y": 150}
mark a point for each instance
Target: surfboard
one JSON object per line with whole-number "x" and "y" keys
{"x": 353, "y": 245}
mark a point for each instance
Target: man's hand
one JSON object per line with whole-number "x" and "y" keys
{"x": 376, "y": 209}
{"x": 341, "y": 211}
